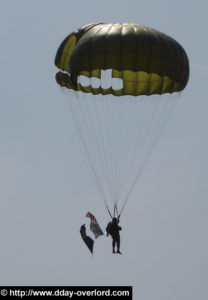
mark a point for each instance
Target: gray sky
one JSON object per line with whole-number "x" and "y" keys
{"x": 45, "y": 187}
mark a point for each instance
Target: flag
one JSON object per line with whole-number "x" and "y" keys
{"x": 94, "y": 226}
{"x": 88, "y": 241}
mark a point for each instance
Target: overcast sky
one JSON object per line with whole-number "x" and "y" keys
{"x": 45, "y": 186}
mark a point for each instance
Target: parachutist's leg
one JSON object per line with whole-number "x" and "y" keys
{"x": 118, "y": 245}
{"x": 113, "y": 245}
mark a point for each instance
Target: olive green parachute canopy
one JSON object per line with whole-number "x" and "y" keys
{"x": 146, "y": 60}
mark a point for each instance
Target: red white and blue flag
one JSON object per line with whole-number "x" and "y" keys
{"x": 94, "y": 226}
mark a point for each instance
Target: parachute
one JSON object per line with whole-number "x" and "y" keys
{"x": 123, "y": 77}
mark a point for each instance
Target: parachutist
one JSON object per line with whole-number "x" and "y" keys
{"x": 114, "y": 230}
{"x": 95, "y": 59}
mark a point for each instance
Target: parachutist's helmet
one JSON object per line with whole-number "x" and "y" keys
{"x": 115, "y": 220}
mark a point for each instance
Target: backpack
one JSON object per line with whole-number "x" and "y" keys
{"x": 109, "y": 228}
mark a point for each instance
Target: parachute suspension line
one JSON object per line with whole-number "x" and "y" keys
{"x": 115, "y": 139}
{"x": 110, "y": 125}
{"x": 141, "y": 134}
{"x": 130, "y": 132}
{"x": 118, "y": 136}
{"x": 126, "y": 112}
{"x": 110, "y": 134}
{"x": 85, "y": 148}
{"x": 106, "y": 124}
{"x": 119, "y": 133}
{"x": 106, "y": 117}
{"x": 115, "y": 212}
{"x": 104, "y": 113}
{"x": 118, "y": 216}
{"x": 144, "y": 137}
{"x": 112, "y": 142}
{"x": 103, "y": 123}
{"x": 94, "y": 131}
{"x": 109, "y": 212}
{"x": 122, "y": 140}
{"x": 88, "y": 117}
{"x": 117, "y": 147}
{"x": 144, "y": 156}
{"x": 167, "y": 110}
{"x": 134, "y": 113}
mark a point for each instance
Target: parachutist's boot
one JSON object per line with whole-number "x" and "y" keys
{"x": 118, "y": 251}
{"x": 114, "y": 251}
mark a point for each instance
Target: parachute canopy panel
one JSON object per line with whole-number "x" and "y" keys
{"x": 146, "y": 60}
